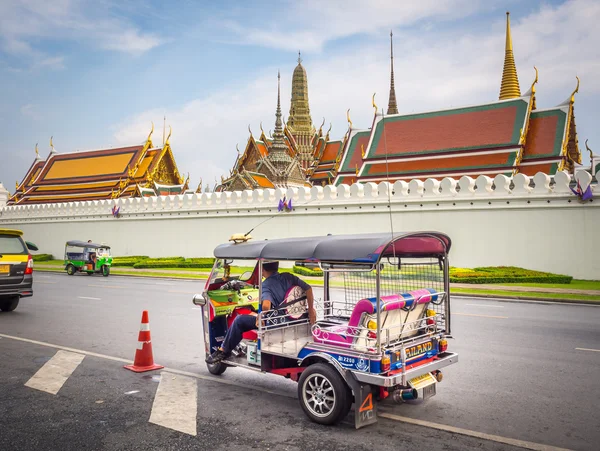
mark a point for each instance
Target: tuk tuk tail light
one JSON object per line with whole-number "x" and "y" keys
{"x": 385, "y": 363}
{"x": 443, "y": 345}
{"x": 29, "y": 268}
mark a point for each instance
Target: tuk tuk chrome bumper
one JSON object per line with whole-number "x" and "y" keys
{"x": 445, "y": 359}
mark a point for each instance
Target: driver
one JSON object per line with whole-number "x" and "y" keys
{"x": 274, "y": 288}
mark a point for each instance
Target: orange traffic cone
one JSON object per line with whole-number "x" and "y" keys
{"x": 143, "y": 360}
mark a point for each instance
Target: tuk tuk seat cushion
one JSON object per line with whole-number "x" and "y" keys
{"x": 365, "y": 309}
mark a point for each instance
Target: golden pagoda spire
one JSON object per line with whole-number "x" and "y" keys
{"x": 392, "y": 106}
{"x": 509, "y": 89}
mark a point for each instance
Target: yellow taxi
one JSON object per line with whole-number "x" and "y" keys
{"x": 16, "y": 269}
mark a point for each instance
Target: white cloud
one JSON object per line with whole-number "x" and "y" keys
{"x": 312, "y": 23}
{"x": 30, "y": 111}
{"x": 434, "y": 70}
{"x": 23, "y": 23}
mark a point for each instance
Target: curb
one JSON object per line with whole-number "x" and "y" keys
{"x": 505, "y": 298}
{"x": 529, "y": 299}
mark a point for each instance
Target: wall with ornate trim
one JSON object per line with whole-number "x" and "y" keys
{"x": 536, "y": 223}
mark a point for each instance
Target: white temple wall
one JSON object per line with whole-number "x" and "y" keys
{"x": 536, "y": 227}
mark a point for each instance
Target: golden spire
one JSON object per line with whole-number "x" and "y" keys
{"x": 509, "y": 89}
{"x": 392, "y": 106}
{"x": 37, "y": 152}
{"x": 348, "y": 117}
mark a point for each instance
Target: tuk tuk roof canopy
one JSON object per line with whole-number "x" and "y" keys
{"x": 77, "y": 243}
{"x": 359, "y": 248}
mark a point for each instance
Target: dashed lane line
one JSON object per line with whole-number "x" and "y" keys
{"x": 587, "y": 349}
{"x": 176, "y": 403}
{"x": 55, "y": 372}
{"x": 442, "y": 427}
{"x": 87, "y": 297}
{"x": 481, "y": 316}
{"x": 481, "y": 435}
{"x": 106, "y": 286}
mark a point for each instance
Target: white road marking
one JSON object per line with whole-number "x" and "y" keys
{"x": 480, "y": 316}
{"x": 529, "y": 445}
{"x": 132, "y": 392}
{"x": 55, "y": 372}
{"x": 91, "y": 299}
{"x": 483, "y": 305}
{"x": 490, "y": 437}
{"x": 587, "y": 349}
{"x": 175, "y": 403}
{"x": 105, "y": 286}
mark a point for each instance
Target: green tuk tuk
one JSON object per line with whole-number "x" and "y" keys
{"x": 87, "y": 257}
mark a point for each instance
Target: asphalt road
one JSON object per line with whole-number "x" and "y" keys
{"x": 527, "y": 371}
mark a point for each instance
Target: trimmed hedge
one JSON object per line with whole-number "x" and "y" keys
{"x": 175, "y": 263}
{"x": 505, "y": 274}
{"x": 307, "y": 271}
{"x": 42, "y": 257}
{"x": 131, "y": 257}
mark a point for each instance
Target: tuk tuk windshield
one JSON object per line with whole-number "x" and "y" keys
{"x": 228, "y": 270}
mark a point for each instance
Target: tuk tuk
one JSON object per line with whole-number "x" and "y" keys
{"x": 91, "y": 258}
{"x": 382, "y": 325}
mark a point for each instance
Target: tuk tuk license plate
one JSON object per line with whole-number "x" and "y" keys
{"x": 422, "y": 381}
{"x": 4, "y": 269}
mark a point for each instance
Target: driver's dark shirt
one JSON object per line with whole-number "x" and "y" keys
{"x": 275, "y": 287}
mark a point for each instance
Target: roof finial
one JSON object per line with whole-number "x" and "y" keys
{"x": 576, "y": 90}
{"x": 166, "y": 142}
{"x": 348, "y": 117}
{"x": 374, "y": 104}
{"x": 299, "y": 59}
{"x": 52, "y": 149}
{"x": 392, "y": 105}
{"x": 37, "y": 152}
{"x": 509, "y": 88}
{"x": 589, "y": 150}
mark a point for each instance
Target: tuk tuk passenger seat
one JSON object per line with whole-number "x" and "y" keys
{"x": 354, "y": 334}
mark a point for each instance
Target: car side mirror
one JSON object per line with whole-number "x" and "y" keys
{"x": 246, "y": 275}
{"x": 31, "y": 246}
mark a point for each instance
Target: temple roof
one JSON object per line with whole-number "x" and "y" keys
{"x": 97, "y": 174}
{"x": 476, "y": 139}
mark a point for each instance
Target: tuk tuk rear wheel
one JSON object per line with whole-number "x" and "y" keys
{"x": 323, "y": 394}
{"x": 216, "y": 368}
{"x": 105, "y": 270}
{"x": 70, "y": 270}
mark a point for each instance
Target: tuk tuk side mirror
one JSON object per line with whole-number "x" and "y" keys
{"x": 31, "y": 246}
{"x": 246, "y": 275}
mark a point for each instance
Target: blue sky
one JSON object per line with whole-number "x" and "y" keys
{"x": 94, "y": 74}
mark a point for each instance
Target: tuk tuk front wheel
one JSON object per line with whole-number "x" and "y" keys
{"x": 323, "y": 394}
{"x": 216, "y": 368}
{"x": 70, "y": 270}
{"x": 105, "y": 270}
